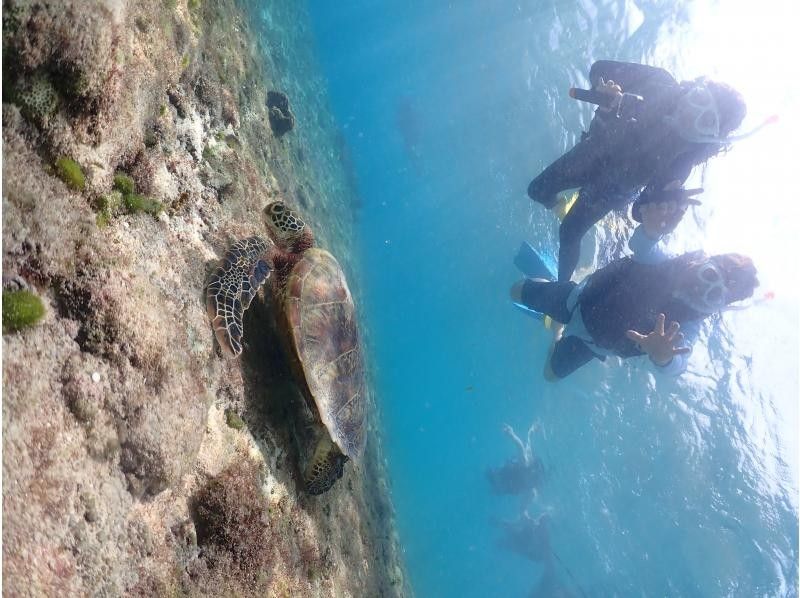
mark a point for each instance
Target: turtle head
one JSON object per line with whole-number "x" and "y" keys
{"x": 286, "y": 228}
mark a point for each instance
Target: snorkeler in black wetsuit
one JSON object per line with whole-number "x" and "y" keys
{"x": 521, "y": 475}
{"x": 630, "y": 146}
{"x": 612, "y": 311}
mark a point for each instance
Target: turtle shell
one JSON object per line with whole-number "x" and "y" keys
{"x": 322, "y": 327}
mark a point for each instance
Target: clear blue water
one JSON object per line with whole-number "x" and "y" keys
{"x": 654, "y": 486}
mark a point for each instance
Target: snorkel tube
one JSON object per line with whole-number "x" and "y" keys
{"x": 727, "y": 139}
{"x": 752, "y": 302}
{"x": 770, "y": 120}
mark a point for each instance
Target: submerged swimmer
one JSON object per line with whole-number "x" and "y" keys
{"x": 623, "y": 308}
{"x": 528, "y": 537}
{"x": 517, "y": 476}
{"x": 525, "y": 450}
{"x": 633, "y": 145}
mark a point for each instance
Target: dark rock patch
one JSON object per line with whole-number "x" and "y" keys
{"x": 281, "y": 118}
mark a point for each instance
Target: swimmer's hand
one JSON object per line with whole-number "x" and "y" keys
{"x": 612, "y": 89}
{"x": 660, "y": 346}
{"x": 662, "y": 217}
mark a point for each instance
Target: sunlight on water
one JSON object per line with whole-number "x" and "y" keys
{"x": 749, "y": 205}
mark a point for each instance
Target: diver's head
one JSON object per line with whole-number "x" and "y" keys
{"x": 708, "y": 111}
{"x": 730, "y": 106}
{"x": 672, "y": 202}
{"x": 711, "y": 284}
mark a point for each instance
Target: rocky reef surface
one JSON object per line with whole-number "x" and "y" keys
{"x": 136, "y": 461}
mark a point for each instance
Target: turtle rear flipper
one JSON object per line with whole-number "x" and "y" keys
{"x": 325, "y": 467}
{"x": 232, "y": 288}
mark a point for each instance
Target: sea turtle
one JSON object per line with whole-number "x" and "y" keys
{"x": 318, "y": 319}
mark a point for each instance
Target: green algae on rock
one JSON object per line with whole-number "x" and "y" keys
{"x": 21, "y": 309}
{"x": 124, "y": 194}
{"x": 70, "y": 172}
{"x": 108, "y": 206}
{"x": 136, "y": 203}
{"x": 233, "y": 419}
{"x": 208, "y": 153}
{"x": 124, "y": 184}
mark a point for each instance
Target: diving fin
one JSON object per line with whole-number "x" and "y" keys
{"x": 536, "y": 315}
{"x": 531, "y": 264}
{"x": 564, "y": 203}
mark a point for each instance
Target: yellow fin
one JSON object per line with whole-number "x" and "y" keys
{"x": 564, "y": 203}
{"x": 548, "y": 322}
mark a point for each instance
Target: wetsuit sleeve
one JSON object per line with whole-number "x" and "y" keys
{"x": 648, "y": 81}
{"x": 690, "y": 330}
{"x": 629, "y": 75}
{"x": 646, "y": 250}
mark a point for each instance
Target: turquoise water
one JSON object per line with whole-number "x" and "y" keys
{"x": 652, "y": 486}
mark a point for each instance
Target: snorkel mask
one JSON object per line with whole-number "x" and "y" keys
{"x": 713, "y": 294}
{"x": 712, "y": 289}
{"x": 697, "y": 119}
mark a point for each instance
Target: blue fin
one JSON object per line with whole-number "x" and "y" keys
{"x": 528, "y": 311}
{"x": 533, "y": 265}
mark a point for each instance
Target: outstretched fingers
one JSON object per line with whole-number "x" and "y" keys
{"x": 672, "y": 331}
{"x": 659, "y": 329}
{"x": 635, "y": 336}
{"x": 678, "y": 347}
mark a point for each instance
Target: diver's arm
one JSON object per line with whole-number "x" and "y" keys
{"x": 664, "y": 346}
{"x": 647, "y": 250}
{"x": 629, "y": 75}
{"x": 529, "y": 446}
{"x": 513, "y": 435}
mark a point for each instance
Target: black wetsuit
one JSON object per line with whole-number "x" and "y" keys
{"x": 625, "y": 295}
{"x": 618, "y": 157}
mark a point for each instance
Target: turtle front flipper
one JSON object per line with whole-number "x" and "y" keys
{"x": 325, "y": 467}
{"x": 232, "y": 287}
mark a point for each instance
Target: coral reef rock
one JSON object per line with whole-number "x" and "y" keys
{"x": 281, "y": 118}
